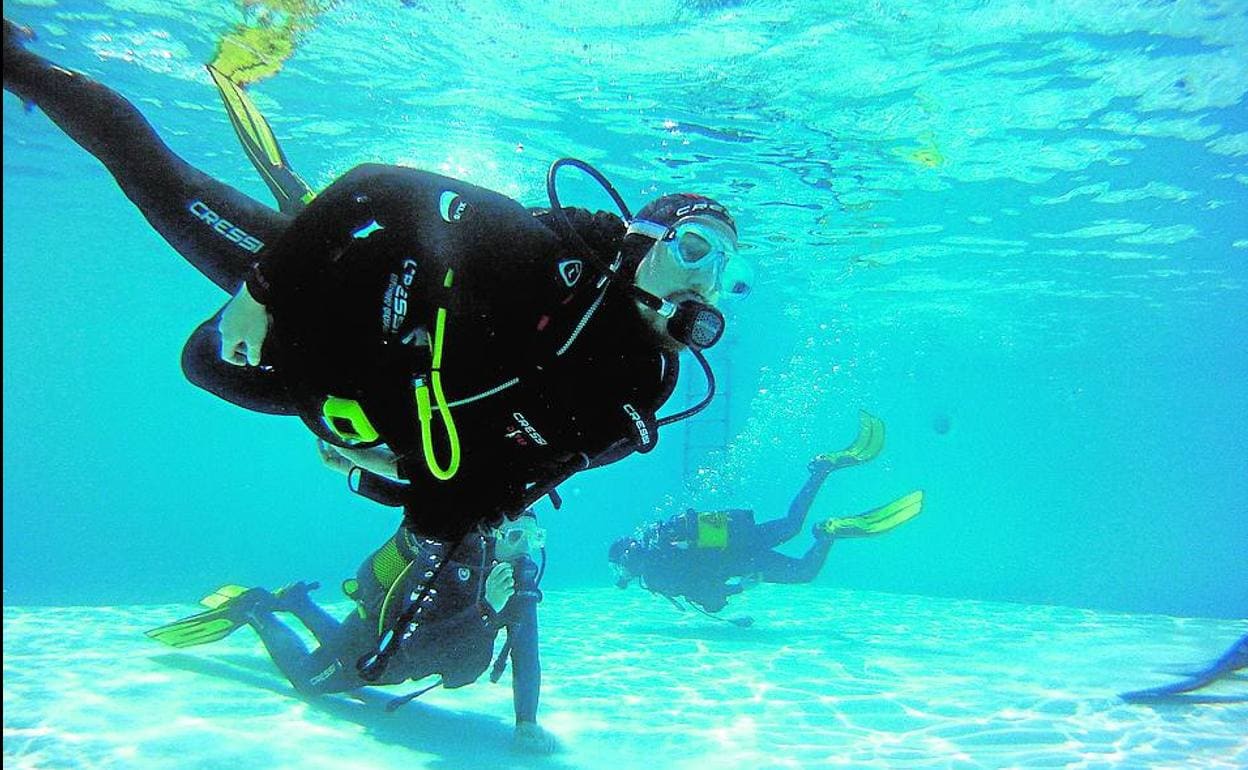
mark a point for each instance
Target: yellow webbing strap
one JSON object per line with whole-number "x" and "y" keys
{"x": 424, "y": 408}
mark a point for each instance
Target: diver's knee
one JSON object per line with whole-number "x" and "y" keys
{"x": 321, "y": 678}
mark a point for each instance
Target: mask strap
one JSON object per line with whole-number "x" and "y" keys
{"x": 652, "y": 230}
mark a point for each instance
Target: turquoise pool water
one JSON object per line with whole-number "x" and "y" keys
{"x": 1013, "y": 230}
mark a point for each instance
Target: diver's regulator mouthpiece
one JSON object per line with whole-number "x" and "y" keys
{"x": 691, "y": 322}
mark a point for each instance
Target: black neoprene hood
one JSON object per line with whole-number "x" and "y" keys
{"x": 667, "y": 209}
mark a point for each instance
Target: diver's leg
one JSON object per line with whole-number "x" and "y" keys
{"x": 331, "y": 668}
{"x": 778, "y": 568}
{"x": 216, "y": 228}
{"x": 770, "y": 534}
{"x": 310, "y": 673}
{"x": 285, "y": 647}
{"x": 295, "y": 600}
{"x": 865, "y": 447}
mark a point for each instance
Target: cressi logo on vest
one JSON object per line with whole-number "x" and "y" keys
{"x": 451, "y": 206}
{"x": 394, "y": 305}
{"x": 524, "y": 429}
{"x": 570, "y": 271}
{"x": 224, "y": 227}
{"x": 639, "y": 425}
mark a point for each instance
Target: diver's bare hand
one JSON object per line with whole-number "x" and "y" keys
{"x": 243, "y": 326}
{"x": 500, "y": 585}
{"x": 331, "y": 457}
{"x": 379, "y": 459}
{"x": 532, "y": 738}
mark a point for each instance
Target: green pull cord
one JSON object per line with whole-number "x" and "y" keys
{"x": 424, "y": 409}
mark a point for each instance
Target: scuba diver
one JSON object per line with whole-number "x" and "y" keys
{"x": 708, "y": 556}
{"x": 466, "y": 354}
{"x": 490, "y": 583}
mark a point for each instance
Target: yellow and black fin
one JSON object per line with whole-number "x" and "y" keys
{"x": 866, "y": 446}
{"x": 261, "y": 146}
{"x": 228, "y": 608}
{"x": 874, "y": 522}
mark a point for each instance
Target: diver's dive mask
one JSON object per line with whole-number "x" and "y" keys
{"x": 689, "y": 237}
{"x": 617, "y": 556}
{"x": 520, "y": 539}
{"x": 700, "y": 251}
{"x": 695, "y": 255}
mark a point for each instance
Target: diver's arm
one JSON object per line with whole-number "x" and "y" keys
{"x": 526, "y": 666}
{"x": 516, "y": 586}
{"x": 526, "y": 673}
{"x": 379, "y": 460}
{"x": 619, "y": 429}
{"x": 681, "y": 530}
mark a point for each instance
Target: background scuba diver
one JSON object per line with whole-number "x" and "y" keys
{"x": 708, "y": 556}
{"x": 489, "y": 583}
{"x": 555, "y": 333}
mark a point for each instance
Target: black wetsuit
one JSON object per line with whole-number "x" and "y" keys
{"x": 454, "y": 638}
{"x": 697, "y": 554}
{"x": 538, "y": 370}
{"x": 545, "y": 373}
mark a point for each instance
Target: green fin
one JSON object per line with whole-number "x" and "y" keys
{"x": 261, "y": 146}
{"x": 877, "y": 521}
{"x": 224, "y": 594}
{"x": 249, "y": 54}
{"x": 228, "y": 606}
{"x": 866, "y": 446}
